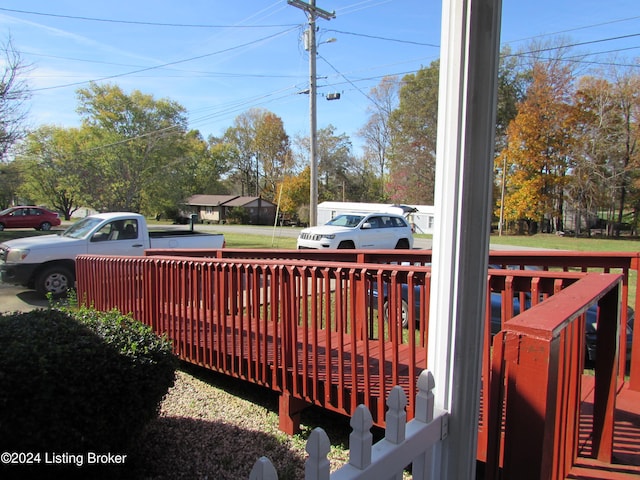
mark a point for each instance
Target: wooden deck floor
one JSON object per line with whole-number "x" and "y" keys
{"x": 337, "y": 378}
{"x": 331, "y": 385}
{"x": 626, "y": 441}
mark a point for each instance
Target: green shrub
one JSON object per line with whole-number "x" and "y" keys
{"x": 78, "y": 381}
{"x": 238, "y": 215}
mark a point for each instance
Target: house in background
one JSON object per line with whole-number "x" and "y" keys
{"x": 217, "y": 208}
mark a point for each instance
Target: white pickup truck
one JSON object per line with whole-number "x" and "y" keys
{"x": 376, "y": 230}
{"x": 47, "y": 263}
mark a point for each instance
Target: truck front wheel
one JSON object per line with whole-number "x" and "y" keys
{"x": 54, "y": 280}
{"x": 345, "y": 244}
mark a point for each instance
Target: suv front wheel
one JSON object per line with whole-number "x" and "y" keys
{"x": 403, "y": 243}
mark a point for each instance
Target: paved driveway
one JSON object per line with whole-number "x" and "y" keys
{"x": 20, "y": 299}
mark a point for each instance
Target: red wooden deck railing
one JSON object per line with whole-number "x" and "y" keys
{"x": 309, "y": 330}
{"x": 536, "y": 371}
{"x": 625, "y": 263}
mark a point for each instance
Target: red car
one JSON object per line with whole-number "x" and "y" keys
{"x": 28, "y": 217}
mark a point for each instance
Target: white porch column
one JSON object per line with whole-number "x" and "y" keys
{"x": 464, "y": 175}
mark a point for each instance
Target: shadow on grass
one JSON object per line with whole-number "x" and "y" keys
{"x": 186, "y": 447}
{"x": 177, "y": 447}
{"x": 335, "y": 425}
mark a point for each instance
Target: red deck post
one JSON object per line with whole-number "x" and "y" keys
{"x": 634, "y": 381}
{"x": 289, "y": 410}
{"x": 529, "y": 414}
{"x": 606, "y": 379}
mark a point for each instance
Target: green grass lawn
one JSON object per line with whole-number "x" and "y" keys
{"x": 22, "y": 233}
{"x": 557, "y": 242}
{"x": 243, "y": 240}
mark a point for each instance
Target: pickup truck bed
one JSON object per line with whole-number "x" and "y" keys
{"x": 176, "y": 233}
{"x": 47, "y": 263}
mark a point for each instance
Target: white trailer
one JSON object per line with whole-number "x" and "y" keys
{"x": 422, "y": 219}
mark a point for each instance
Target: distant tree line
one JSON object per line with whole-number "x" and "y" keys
{"x": 565, "y": 147}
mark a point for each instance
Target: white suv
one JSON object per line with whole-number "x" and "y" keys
{"x": 375, "y": 230}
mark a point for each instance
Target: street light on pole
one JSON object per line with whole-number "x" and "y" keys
{"x": 310, "y": 44}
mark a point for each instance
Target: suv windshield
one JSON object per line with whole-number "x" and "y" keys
{"x": 81, "y": 228}
{"x": 345, "y": 220}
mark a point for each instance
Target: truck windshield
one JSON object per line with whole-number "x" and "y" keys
{"x": 345, "y": 220}
{"x": 82, "y": 228}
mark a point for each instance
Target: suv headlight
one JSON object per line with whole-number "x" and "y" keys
{"x": 327, "y": 235}
{"x": 16, "y": 255}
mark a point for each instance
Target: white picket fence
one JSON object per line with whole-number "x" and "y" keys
{"x": 404, "y": 443}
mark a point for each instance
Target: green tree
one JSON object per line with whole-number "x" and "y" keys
{"x": 200, "y": 170}
{"x": 338, "y": 168}
{"x": 10, "y": 180}
{"x": 212, "y": 167}
{"x": 336, "y": 163}
{"x": 241, "y": 135}
{"x": 513, "y": 81}
{"x": 137, "y": 140}
{"x": 413, "y": 142}
{"x": 54, "y": 167}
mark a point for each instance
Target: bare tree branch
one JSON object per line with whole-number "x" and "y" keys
{"x": 14, "y": 93}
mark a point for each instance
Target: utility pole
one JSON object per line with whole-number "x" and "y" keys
{"x": 310, "y": 40}
{"x": 502, "y": 189}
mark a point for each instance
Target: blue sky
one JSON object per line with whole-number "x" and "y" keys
{"x": 220, "y": 58}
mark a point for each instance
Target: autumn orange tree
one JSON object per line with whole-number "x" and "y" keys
{"x": 294, "y": 195}
{"x": 538, "y": 151}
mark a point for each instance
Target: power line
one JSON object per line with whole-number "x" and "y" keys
{"x": 199, "y": 72}
{"x": 576, "y": 29}
{"x": 136, "y": 22}
{"x": 146, "y": 69}
{"x": 589, "y": 42}
{"x": 357, "y": 7}
{"x": 580, "y": 44}
{"x": 274, "y": 96}
{"x": 348, "y": 81}
{"x": 377, "y": 37}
